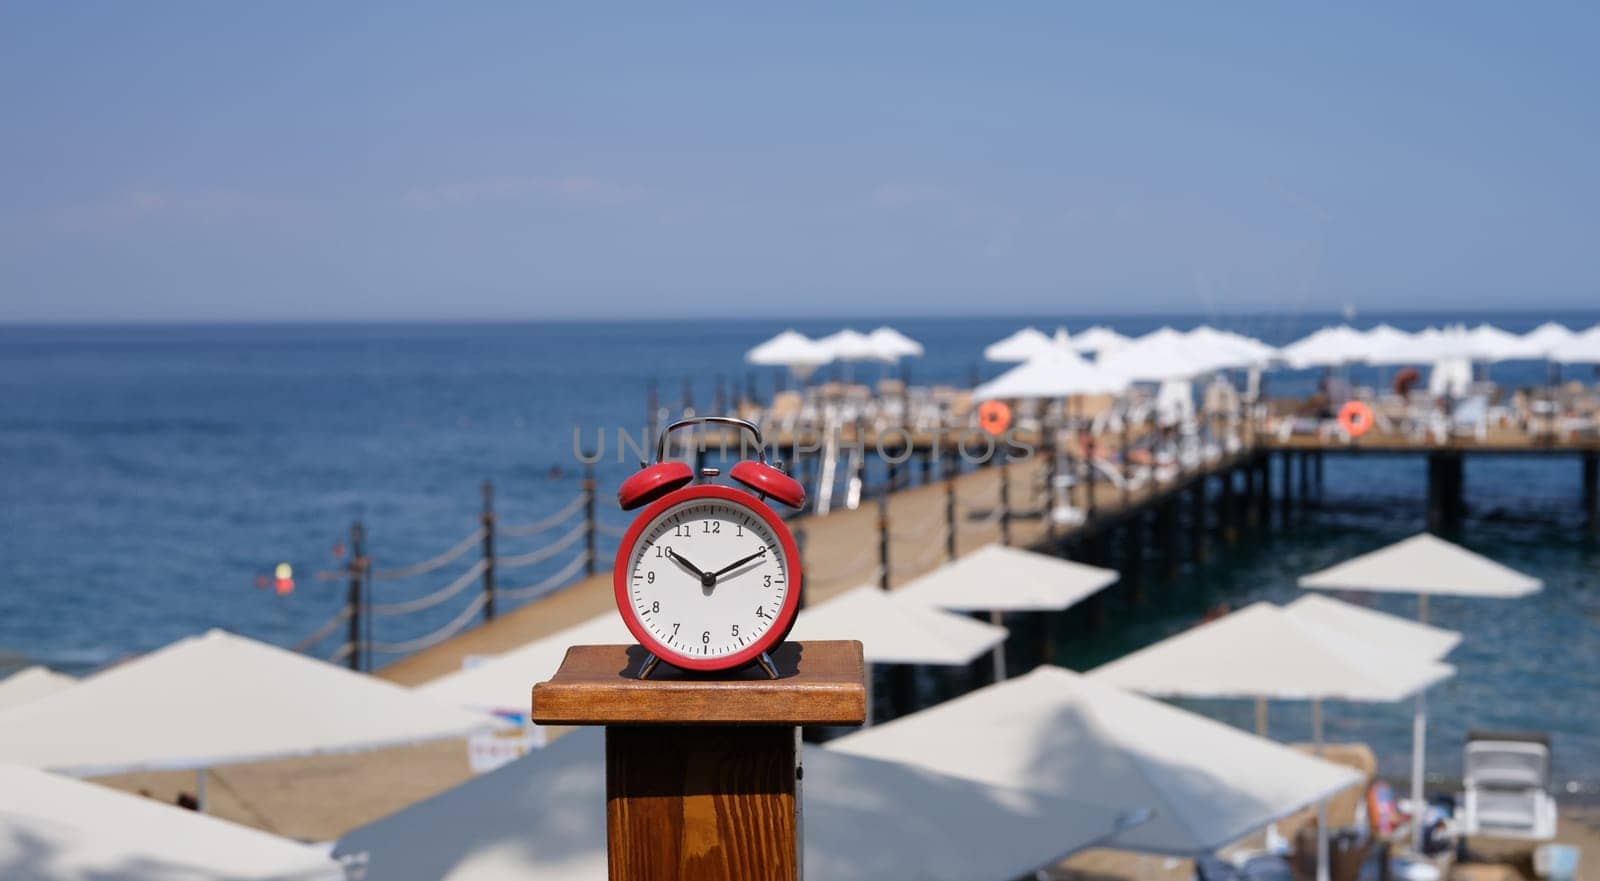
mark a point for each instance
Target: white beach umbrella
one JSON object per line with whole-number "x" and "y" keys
{"x": 1490, "y": 343}
{"x": 1262, "y": 651}
{"x": 1423, "y": 564}
{"x": 500, "y": 684}
{"x": 219, "y": 699}
{"x": 1422, "y": 347}
{"x": 1098, "y": 340}
{"x": 1370, "y": 625}
{"x": 30, "y": 684}
{"x": 1006, "y": 579}
{"x": 1056, "y": 372}
{"x": 999, "y": 579}
{"x": 894, "y": 344}
{"x": 1247, "y": 351}
{"x": 1326, "y": 347}
{"x": 1167, "y": 354}
{"x": 1583, "y": 348}
{"x": 852, "y": 345}
{"x": 58, "y": 829}
{"x": 895, "y": 630}
{"x": 1543, "y": 341}
{"x": 1055, "y": 731}
{"x": 790, "y": 349}
{"x": 544, "y": 817}
{"x": 1020, "y": 346}
{"x": 1379, "y": 341}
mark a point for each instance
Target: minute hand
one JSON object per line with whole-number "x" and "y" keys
{"x": 737, "y": 563}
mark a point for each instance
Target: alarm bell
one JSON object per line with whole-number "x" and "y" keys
{"x": 663, "y": 477}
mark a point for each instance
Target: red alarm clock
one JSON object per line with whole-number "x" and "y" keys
{"x": 708, "y": 577}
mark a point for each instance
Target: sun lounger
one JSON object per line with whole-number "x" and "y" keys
{"x": 1507, "y": 777}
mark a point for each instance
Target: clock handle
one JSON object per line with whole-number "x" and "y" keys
{"x": 744, "y": 424}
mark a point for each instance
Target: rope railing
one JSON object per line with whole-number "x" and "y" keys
{"x": 433, "y": 563}
{"x": 341, "y": 652}
{"x": 550, "y": 550}
{"x": 433, "y": 599}
{"x": 613, "y": 531}
{"x": 523, "y": 529}
{"x": 543, "y": 586}
{"x": 982, "y": 496}
{"x": 450, "y": 629}
{"x": 324, "y": 629}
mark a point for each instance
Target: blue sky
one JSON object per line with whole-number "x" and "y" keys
{"x": 217, "y": 161}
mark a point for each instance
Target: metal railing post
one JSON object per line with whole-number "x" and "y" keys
{"x": 589, "y": 518}
{"x": 488, "y": 551}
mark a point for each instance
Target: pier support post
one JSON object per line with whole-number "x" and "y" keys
{"x": 488, "y": 551}
{"x": 1167, "y": 524}
{"x": 1591, "y": 490}
{"x": 1320, "y": 475}
{"x": 1133, "y": 535}
{"x": 1229, "y": 509}
{"x": 1250, "y": 501}
{"x": 1305, "y": 479}
{"x": 1197, "y": 519}
{"x": 1446, "y": 504}
{"x": 1286, "y": 486}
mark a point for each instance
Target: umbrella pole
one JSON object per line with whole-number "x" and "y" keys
{"x": 1322, "y": 806}
{"x": 1261, "y": 716}
{"x": 999, "y": 649}
{"x": 1419, "y": 744}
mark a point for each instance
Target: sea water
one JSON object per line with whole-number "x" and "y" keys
{"x": 153, "y": 476}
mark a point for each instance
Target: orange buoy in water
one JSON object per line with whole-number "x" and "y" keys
{"x": 994, "y": 417}
{"x": 1356, "y": 418}
{"x": 283, "y": 577}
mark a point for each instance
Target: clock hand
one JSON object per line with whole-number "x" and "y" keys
{"x": 707, "y": 579}
{"x": 737, "y": 563}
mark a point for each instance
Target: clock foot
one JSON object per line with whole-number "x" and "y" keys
{"x": 650, "y": 662}
{"x": 765, "y": 660}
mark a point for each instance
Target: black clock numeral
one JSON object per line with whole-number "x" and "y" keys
{"x": 766, "y": 581}
{"x": 674, "y": 630}
{"x": 761, "y": 611}
{"x": 705, "y": 638}
{"x": 735, "y": 631}
{"x": 655, "y": 607}
{"x": 663, "y": 550}
{"x": 680, "y": 531}
{"x": 738, "y": 530}
{"x": 650, "y": 577}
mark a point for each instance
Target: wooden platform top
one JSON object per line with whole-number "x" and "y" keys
{"x": 819, "y": 683}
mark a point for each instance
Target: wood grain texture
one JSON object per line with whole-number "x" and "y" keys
{"x": 820, "y": 683}
{"x": 714, "y": 803}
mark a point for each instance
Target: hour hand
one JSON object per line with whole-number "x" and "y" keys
{"x": 681, "y": 561}
{"x": 737, "y": 563}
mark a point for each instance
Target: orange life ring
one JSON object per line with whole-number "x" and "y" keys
{"x": 994, "y": 417}
{"x": 1355, "y": 418}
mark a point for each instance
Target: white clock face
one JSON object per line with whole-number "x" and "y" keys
{"x": 708, "y": 578}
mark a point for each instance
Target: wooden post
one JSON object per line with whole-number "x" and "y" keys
{"x": 1305, "y": 479}
{"x": 1320, "y": 475}
{"x": 883, "y": 541}
{"x": 488, "y": 551}
{"x": 1005, "y": 501}
{"x": 720, "y": 405}
{"x": 704, "y": 775}
{"x": 1127, "y": 463}
{"x": 1591, "y": 490}
{"x": 1251, "y": 512}
{"x": 358, "y": 566}
{"x": 1197, "y": 519}
{"x": 688, "y": 396}
{"x": 951, "y": 524}
{"x": 591, "y": 528}
{"x": 927, "y": 466}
